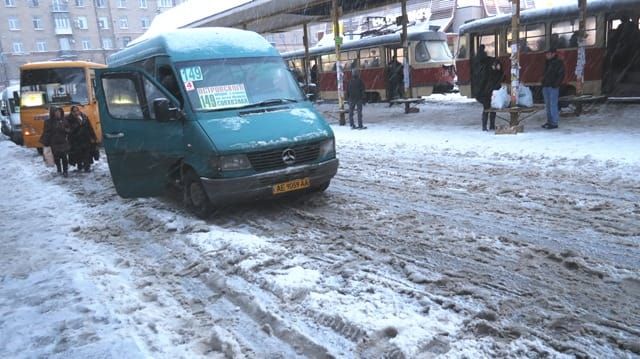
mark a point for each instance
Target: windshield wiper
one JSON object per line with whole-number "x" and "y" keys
{"x": 269, "y": 102}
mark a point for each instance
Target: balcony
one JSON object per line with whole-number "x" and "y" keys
{"x": 67, "y": 54}
{"x": 63, "y": 31}
{"x": 59, "y": 8}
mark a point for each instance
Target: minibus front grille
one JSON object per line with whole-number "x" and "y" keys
{"x": 273, "y": 159}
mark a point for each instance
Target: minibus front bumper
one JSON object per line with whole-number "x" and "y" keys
{"x": 223, "y": 191}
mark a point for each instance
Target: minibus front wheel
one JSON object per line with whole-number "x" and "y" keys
{"x": 195, "y": 197}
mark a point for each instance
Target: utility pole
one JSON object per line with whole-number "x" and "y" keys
{"x": 305, "y": 40}
{"x": 338, "y": 41}
{"x": 581, "y": 59}
{"x": 515, "y": 51}
{"x": 405, "y": 49}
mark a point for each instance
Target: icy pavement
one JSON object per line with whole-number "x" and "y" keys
{"x": 434, "y": 240}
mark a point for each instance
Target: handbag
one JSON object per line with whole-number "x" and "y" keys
{"x": 47, "y": 155}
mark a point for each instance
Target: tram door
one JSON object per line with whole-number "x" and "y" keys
{"x": 622, "y": 62}
{"x": 394, "y": 72}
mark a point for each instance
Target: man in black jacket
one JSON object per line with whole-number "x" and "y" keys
{"x": 553, "y": 77}
{"x": 356, "y": 96}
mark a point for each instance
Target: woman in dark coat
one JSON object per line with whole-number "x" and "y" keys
{"x": 491, "y": 79}
{"x": 55, "y": 135}
{"x": 82, "y": 139}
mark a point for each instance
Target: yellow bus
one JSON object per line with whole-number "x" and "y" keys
{"x": 56, "y": 83}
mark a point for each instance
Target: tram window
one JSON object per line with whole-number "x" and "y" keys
{"x": 349, "y": 59}
{"x": 462, "y": 47}
{"x": 489, "y": 42}
{"x": 328, "y": 62}
{"x": 564, "y": 34}
{"x": 369, "y": 58}
{"x": 432, "y": 51}
{"x": 532, "y": 38}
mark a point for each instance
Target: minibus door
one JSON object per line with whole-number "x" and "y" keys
{"x": 142, "y": 146}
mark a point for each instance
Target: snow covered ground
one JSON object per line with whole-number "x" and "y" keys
{"x": 435, "y": 239}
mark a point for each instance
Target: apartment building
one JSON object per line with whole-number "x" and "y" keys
{"x": 40, "y": 30}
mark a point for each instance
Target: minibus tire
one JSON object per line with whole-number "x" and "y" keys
{"x": 40, "y": 150}
{"x": 323, "y": 187}
{"x": 195, "y": 197}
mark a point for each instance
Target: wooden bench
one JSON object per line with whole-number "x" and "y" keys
{"x": 516, "y": 116}
{"x": 582, "y": 104}
{"x": 407, "y": 103}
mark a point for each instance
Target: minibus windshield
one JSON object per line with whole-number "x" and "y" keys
{"x": 236, "y": 83}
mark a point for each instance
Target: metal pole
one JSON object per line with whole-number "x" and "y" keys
{"x": 581, "y": 59}
{"x": 405, "y": 49}
{"x": 515, "y": 51}
{"x": 305, "y": 40}
{"x": 338, "y": 41}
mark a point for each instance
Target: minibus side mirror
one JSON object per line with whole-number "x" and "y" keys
{"x": 164, "y": 112}
{"x": 4, "y": 111}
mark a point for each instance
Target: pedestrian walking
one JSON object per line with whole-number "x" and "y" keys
{"x": 551, "y": 81}
{"x": 56, "y": 136}
{"x": 356, "y": 97}
{"x": 82, "y": 139}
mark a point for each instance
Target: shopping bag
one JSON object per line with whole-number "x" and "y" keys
{"x": 47, "y": 154}
{"x": 525, "y": 97}
{"x": 500, "y": 98}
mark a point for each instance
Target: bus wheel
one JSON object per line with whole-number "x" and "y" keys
{"x": 195, "y": 197}
{"x": 40, "y": 151}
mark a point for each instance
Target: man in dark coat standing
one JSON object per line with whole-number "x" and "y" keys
{"x": 551, "y": 81}
{"x": 491, "y": 79}
{"x": 356, "y": 96}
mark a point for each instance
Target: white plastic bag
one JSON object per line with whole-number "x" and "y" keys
{"x": 500, "y": 98}
{"x": 525, "y": 97}
{"x": 47, "y": 154}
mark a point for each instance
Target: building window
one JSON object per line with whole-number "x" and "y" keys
{"x": 107, "y": 44}
{"x": 37, "y": 23}
{"x": 143, "y": 4}
{"x": 41, "y": 46}
{"x": 17, "y": 48}
{"x": 124, "y": 22}
{"x": 62, "y": 22}
{"x": 80, "y": 3}
{"x": 11, "y": 3}
{"x": 65, "y": 44}
{"x": 126, "y": 40}
{"x": 82, "y": 23}
{"x": 86, "y": 45}
{"x": 101, "y": 3}
{"x": 103, "y": 23}
{"x": 34, "y": 3}
{"x": 122, "y": 4}
{"x": 165, "y": 3}
{"x": 145, "y": 22}
{"x": 14, "y": 23}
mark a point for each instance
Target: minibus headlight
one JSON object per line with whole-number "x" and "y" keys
{"x": 234, "y": 162}
{"x": 328, "y": 148}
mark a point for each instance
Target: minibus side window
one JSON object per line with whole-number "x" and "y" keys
{"x": 122, "y": 98}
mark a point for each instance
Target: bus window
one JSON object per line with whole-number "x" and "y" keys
{"x": 564, "y": 34}
{"x": 462, "y": 47}
{"x": 60, "y": 86}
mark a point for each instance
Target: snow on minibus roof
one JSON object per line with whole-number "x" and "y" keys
{"x": 197, "y": 44}
{"x": 532, "y": 15}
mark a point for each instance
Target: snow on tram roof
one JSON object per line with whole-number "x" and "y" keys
{"x": 532, "y": 15}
